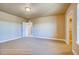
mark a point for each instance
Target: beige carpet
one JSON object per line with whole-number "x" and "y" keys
{"x": 34, "y": 46}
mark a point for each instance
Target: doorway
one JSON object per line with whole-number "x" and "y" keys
{"x": 70, "y": 31}
{"x": 27, "y": 29}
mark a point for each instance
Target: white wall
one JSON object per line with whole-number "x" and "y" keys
{"x": 49, "y": 27}
{"x": 10, "y": 26}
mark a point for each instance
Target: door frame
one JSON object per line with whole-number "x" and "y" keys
{"x": 70, "y": 30}
{"x": 67, "y": 26}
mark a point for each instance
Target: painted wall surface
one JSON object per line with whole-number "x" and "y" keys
{"x": 10, "y": 26}
{"x": 72, "y": 10}
{"x": 49, "y": 27}
{"x": 78, "y": 24}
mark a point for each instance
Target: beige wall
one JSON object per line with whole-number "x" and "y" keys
{"x": 49, "y": 27}
{"x": 72, "y": 10}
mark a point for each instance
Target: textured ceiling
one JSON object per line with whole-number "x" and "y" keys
{"x": 37, "y": 9}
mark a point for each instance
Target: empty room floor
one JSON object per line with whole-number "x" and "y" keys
{"x": 34, "y": 46}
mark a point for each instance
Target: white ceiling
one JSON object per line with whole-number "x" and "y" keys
{"x": 37, "y": 9}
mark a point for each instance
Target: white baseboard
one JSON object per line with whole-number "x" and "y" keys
{"x": 32, "y": 36}
{"x": 74, "y": 52}
{"x": 50, "y": 38}
{"x": 9, "y": 40}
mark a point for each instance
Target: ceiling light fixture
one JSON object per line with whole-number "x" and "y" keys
{"x": 27, "y": 9}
